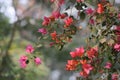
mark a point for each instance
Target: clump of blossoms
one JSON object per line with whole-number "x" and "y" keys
{"x": 101, "y": 55}
{"x": 84, "y": 59}
{"x": 25, "y": 59}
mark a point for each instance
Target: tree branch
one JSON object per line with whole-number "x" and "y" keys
{"x": 11, "y": 39}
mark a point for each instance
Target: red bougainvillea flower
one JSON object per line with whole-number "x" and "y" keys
{"x": 80, "y": 51}
{"x": 87, "y": 68}
{"x": 83, "y": 74}
{"x": 83, "y": 61}
{"x": 56, "y": 14}
{"x": 114, "y": 76}
{"x": 79, "y": 0}
{"x": 22, "y": 61}
{"x": 77, "y": 53}
{"x": 117, "y": 47}
{"x": 89, "y": 11}
{"x": 92, "y": 53}
{"x": 92, "y": 21}
{"x": 71, "y": 65}
{"x": 68, "y": 21}
{"x": 37, "y": 60}
{"x": 53, "y": 35}
{"x": 100, "y": 8}
{"x": 73, "y": 54}
{"x": 43, "y": 31}
{"x": 73, "y": 62}
{"x": 108, "y": 65}
{"x": 29, "y": 49}
{"x": 46, "y": 21}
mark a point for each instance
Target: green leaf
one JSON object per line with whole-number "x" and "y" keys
{"x": 60, "y": 47}
{"x": 103, "y": 40}
{"x": 45, "y": 37}
{"x": 40, "y": 45}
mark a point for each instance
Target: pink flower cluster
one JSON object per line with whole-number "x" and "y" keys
{"x": 46, "y": 21}
{"x": 92, "y": 21}
{"x": 115, "y": 76}
{"x": 55, "y": 15}
{"x": 92, "y": 53}
{"x": 68, "y": 22}
{"x": 87, "y": 64}
{"x": 24, "y": 60}
{"x": 108, "y": 65}
{"x": 37, "y": 60}
{"x": 86, "y": 69}
{"x": 117, "y": 47}
{"x": 89, "y": 11}
{"x": 29, "y": 49}
{"x": 43, "y": 31}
